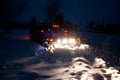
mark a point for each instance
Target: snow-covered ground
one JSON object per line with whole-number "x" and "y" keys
{"x": 18, "y": 59}
{"x": 16, "y": 45}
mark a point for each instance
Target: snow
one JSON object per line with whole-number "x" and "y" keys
{"x": 19, "y": 60}
{"x": 78, "y": 68}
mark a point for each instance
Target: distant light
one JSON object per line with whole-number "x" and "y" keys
{"x": 55, "y": 26}
{"x": 66, "y": 31}
{"x": 22, "y": 37}
{"x": 49, "y": 30}
{"x": 42, "y": 31}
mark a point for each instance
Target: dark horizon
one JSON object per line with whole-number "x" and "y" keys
{"x": 79, "y": 12}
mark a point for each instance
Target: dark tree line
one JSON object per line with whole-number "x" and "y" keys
{"x": 54, "y": 15}
{"x": 103, "y": 27}
{"x": 9, "y": 11}
{"x": 52, "y": 12}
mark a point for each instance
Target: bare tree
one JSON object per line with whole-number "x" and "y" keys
{"x": 59, "y": 18}
{"x": 53, "y": 11}
{"x": 33, "y": 20}
{"x": 10, "y": 9}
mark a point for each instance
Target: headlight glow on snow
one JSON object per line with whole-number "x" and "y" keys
{"x": 71, "y": 41}
{"x": 84, "y": 46}
{"x": 57, "y": 45}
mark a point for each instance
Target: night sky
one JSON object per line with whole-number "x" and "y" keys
{"x": 80, "y": 12}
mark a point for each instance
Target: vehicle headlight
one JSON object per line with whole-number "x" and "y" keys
{"x": 71, "y": 41}
{"x": 51, "y": 40}
{"x": 59, "y": 41}
{"x": 64, "y": 41}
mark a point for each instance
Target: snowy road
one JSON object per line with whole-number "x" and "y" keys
{"x": 18, "y": 60}
{"x": 60, "y": 66}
